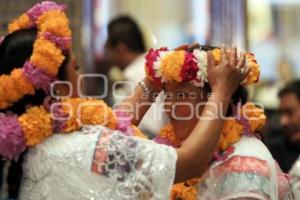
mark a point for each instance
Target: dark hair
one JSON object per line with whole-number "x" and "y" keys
{"x": 124, "y": 29}
{"x": 239, "y": 96}
{"x": 15, "y": 49}
{"x": 291, "y": 88}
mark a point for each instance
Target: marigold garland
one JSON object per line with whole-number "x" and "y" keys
{"x": 55, "y": 22}
{"x": 87, "y": 111}
{"x": 46, "y": 56}
{"x": 36, "y": 125}
{"x": 22, "y": 22}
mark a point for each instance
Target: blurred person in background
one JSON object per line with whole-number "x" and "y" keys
{"x": 125, "y": 48}
{"x": 286, "y": 149}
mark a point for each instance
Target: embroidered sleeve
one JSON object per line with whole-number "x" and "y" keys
{"x": 141, "y": 168}
{"x": 238, "y": 178}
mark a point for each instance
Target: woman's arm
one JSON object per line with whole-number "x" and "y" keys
{"x": 196, "y": 152}
{"x": 137, "y": 104}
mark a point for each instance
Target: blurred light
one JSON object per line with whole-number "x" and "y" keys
{"x": 200, "y": 21}
{"x": 284, "y": 2}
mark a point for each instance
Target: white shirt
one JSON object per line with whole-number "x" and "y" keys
{"x": 155, "y": 118}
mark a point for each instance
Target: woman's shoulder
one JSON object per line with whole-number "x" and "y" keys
{"x": 252, "y": 147}
{"x": 65, "y": 149}
{"x": 249, "y": 171}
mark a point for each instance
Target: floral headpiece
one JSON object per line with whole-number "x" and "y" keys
{"x": 53, "y": 37}
{"x": 180, "y": 65}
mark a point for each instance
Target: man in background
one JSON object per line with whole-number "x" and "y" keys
{"x": 287, "y": 150}
{"x": 125, "y": 47}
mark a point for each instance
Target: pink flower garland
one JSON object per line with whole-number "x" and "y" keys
{"x": 124, "y": 122}
{"x": 12, "y": 142}
{"x": 38, "y": 9}
{"x": 61, "y": 42}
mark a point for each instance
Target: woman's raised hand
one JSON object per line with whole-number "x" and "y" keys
{"x": 227, "y": 76}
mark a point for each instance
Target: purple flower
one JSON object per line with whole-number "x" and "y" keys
{"x": 39, "y": 8}
{"x": 59, "y": 118}
{"x": 61, "y": 42}
{"x": 37, "y": 77}
{"x": 12, "y": 142}
{"x": 124, "y": 122}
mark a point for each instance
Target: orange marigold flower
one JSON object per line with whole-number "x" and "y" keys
{"x": 69, "y": 106}
{"x": 167, "y": 132}
{"x": 55, "y": 22}
{"x": 95, "y": 112}
{"x": 183, "y": 192}
{"x": 138, "y": 132}
{"x": 171, "y": 65}
{"x": 4, "y": 104}
{"x": 231, "y": 133}
{"x": 36, "y": 125}
{"x": 112, "y": 120}
{"x": 217, "y": 55}
{"x": 8, "y": 89}
{"x": 24, "y": 87}
{"x": 46, "y": 56}
{"x": 87, "y": 112}
{"x": 254, "y": 73}
{"x": 22, "y": 22}
{"x": 255, "y": 116}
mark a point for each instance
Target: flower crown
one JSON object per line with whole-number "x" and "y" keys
{"x": 53, "y": 37}
{"x": 181, "y": 65}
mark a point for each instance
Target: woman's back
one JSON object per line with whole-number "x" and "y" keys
{"x": 98, "y": 164}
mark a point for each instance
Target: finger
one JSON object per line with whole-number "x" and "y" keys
{"x": 233, "y": 57}
{"x": 246, "y": 71}
{"x": 182, "y": 47}
{"x": 210, "y": 60}
{"x": 242, "y": 60}
{"x": 224, "y": 55}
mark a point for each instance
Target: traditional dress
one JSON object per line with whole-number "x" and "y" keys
{"x": 98, "y": 163}
{"x": 248, "y": 172}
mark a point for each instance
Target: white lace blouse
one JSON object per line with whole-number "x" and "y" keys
{"x": 248, "y": 173}
{"x": 98, "y": 163}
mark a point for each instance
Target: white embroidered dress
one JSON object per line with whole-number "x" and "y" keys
{"x": 248, "y": 173}
{"x": 95, "y": 164}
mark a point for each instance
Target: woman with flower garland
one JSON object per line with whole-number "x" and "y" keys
{"x": 90, "y": 159}
{"x": 242, "y": 167}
